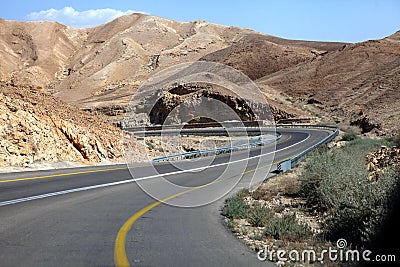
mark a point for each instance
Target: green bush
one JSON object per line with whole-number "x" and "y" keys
{"x": 349, "y": 136}
{"x": 287, "y": 228}
{"x": 259, "y": 216}
{"x": 394, "y": 141}
{"x": 235, "y": 208}
{"x": 330, "y": 176}
{"x": 243, "y": 193}
{"x": 150, "y": 145}
{"x": 336, "y": 182}
{"x": 359, "y": 216}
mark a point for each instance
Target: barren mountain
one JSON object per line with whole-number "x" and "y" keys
{"x": 99, "y": 69}
{"x": 358, "y": 83}
{"x": 119, "y": 56}
{"x": 32, "y": 53}
{"x": 258, "y": 55}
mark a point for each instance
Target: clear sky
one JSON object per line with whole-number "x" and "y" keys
{"x": 321, "y": 20}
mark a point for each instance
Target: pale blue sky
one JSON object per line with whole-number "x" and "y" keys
{"x": 323, "y": 20}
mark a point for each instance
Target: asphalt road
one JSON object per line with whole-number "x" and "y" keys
{"x": 120, "y": 223}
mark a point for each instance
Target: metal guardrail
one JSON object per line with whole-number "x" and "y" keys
{"x": 282, "y": 166}
{"x": 217, "y": 151}
{"x": 202, "y": 132}
{"x": 227, "y": 124}
{"x": 288, "y": 164}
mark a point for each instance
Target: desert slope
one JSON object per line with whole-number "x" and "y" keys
{"x": 34, "y": 53}
{"x": 119, "y": 56}
{"x": 258, "y": 55}
{"x": 359, "y": 83}
{"x": 354, "y": 83}
{"x": 35, "y": 127}
{"x": 99, "y": 69}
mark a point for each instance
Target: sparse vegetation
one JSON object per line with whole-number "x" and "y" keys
{"x": 394, "y": 140}
{"x": 284, "y": 227}
{"x": 333, "y": 186}
{"x": 287, "y": 228}
{"x": 150, "y": 145}
{"x": 235, "y": 208}
{"x": 349, "y": 136}
{"x": 336, "y": 182}
{"x": 259, "y": 216}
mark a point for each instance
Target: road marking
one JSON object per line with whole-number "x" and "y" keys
{"x": 58, "y": 193}
{"x": 98, "y": 171}
{"x": 25, "y": 199}
{"x": 61, "y": 174}
{"x": 120, "y": 257}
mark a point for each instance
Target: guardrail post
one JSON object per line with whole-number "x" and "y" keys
{"x": 284, "y": 165}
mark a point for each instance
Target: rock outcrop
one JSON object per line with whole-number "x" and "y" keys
{"x": 35, "y": 127}
{"x": 379, "y": 161}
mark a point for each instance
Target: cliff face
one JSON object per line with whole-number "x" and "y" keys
{"x": 35, "y": 127}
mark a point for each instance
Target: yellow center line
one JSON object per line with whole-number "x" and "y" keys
{"x": 120, "y": 257}
{"x": 61, "y": 174}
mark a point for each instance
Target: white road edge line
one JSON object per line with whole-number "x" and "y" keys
{"x": 25, "y": 199}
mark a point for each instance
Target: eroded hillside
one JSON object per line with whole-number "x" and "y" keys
{"x": 35, "y": 127}
{"x": 99, "y": 69}
{"x": 119, "y": 56}
{"x": 354, "y": 83}
{"x": 358, "y": 83}
{"x": 35, "y": 53}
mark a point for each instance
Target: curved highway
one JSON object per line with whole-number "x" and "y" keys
{"x": 100, "y": 216}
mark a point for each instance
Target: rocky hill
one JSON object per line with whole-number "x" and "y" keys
{"x": 35, "y": 53}
{"x": 259, "y": 55}
{"x": 119, "y": 56}
{"x": 35, "y": 127}
{"x": 358, "y": 83}
{"x": 99, "y": 69}
{"x": 354, "y": 83}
